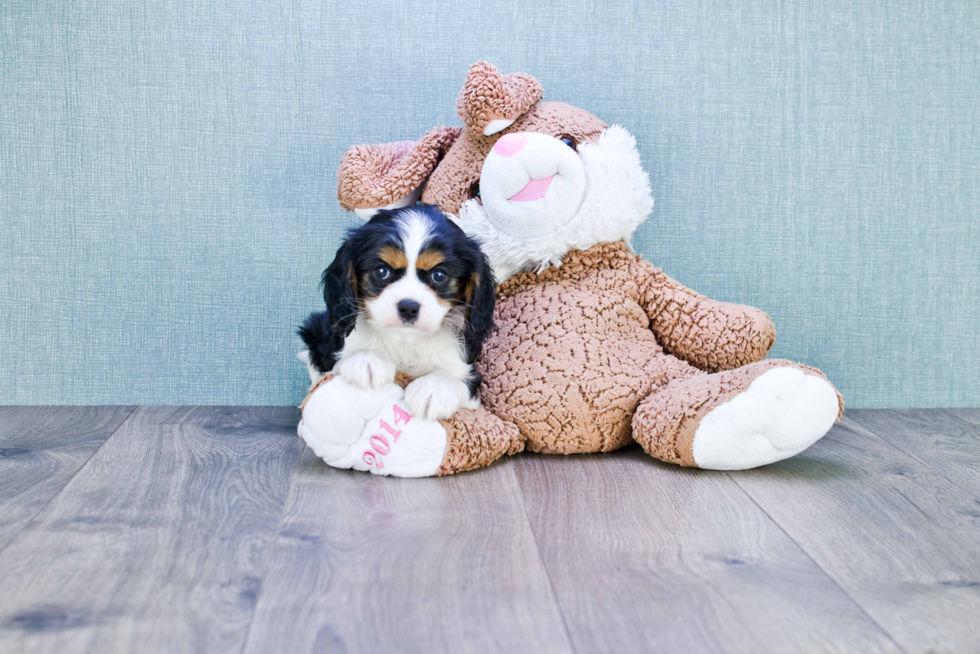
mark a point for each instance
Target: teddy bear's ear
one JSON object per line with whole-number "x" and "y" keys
{"x": 490, "y": 102}
{"x": 390, "y": 175}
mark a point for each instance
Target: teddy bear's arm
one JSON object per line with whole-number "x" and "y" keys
{"x": 708, "y": 334}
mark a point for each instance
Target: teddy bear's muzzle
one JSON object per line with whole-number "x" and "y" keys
{"x": 531, "y": 184}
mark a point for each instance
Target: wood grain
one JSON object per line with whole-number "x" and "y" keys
{"x": 160, "y": 542}
{"x": 647, "y": 557}
{"x": 41, "y": 448}
{"x": 947, "y": 440}
{"x": 369, "y": 564}
{"x": 901, "y": 539}
{"x": 162, "y": 537}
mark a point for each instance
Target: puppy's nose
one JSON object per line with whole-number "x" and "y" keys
{"x": 408, "y": 311}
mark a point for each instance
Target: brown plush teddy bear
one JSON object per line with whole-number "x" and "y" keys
{"x": 594, "y": 347}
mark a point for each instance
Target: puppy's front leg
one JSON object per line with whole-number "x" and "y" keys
{"x": 367, "y": 370}
{"x": 436, "y": 396}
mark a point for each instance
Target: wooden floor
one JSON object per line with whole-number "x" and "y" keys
{"x": 184, "y": 529}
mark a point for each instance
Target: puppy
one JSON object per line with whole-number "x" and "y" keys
{"x": 407, "y": 291}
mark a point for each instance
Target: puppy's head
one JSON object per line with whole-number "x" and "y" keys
{"x": 412, "y": 271}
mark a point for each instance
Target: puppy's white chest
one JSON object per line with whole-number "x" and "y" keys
{"x": 415, "y": 356}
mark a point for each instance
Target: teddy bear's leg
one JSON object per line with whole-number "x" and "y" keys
{"x": 738, "y": 419}
{"x": 373, "y": 431}
{"x": 478, "y": 438}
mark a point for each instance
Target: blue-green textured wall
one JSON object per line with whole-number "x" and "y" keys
{"x": 167, "y": 190}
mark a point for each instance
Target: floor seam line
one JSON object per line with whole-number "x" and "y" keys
{"x": 69, "y": 480}
{"x": 938, "y": 472}
{"x": 544, "y": 566}
{"x": 860, "y": 607}
{"x": 272, "y": 551}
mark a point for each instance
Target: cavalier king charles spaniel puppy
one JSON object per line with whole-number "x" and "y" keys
{"x": 408, "y": 291}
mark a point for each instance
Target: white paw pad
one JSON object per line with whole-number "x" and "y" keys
{"x": 780, "y": 414}
{"x": 399, "y": 444}
{"x": 337, "y": 413}
{"x": 367, "y": 370}
{"x": 371, "y": 431}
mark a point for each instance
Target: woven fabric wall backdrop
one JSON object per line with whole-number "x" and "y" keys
{"x": 167, "y": 190}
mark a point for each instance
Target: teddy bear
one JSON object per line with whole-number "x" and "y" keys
{"x": 593, "y": 347}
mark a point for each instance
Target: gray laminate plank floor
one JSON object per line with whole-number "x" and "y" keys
{"x": 898, "y": 537}
{"x": 645, "y": 556}
{"x": 373, "y": 564}
{"x": 160, "y": 542}
{"x": 947, "y": 440}
{"x": 212, "y": 530}
{"x": 41, "y": 448}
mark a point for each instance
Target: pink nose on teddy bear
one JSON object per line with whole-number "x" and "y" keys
{"x": 510, "y": 144}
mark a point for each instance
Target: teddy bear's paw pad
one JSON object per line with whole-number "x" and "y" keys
{"x": 336, "y": 414}
{"x": 781, "y": 413}
{"x": 397, "y": 443}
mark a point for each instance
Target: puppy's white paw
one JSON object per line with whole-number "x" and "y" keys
{"x": 436, "y": 396}
{"x": 367, "y": 370}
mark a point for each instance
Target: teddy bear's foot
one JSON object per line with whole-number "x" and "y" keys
{"x": 781, "y": 413}
{"x": 738, "y": 419}
{"x": 370, "y": 430}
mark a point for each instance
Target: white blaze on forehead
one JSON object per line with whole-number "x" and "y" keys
{"x": 415, "y": 230}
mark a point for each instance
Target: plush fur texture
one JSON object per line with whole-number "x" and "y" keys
{"x": 593, "y": 347}
{"x": 408, "y": 291}
{"x": 487, "y": 95}
{"x": 627, "y": 333}
{"x": 375, "y": 176}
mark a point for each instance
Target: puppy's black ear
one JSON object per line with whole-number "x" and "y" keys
{"x": 324, "y": 332}
{"x": 339, "y": 283}
{"x": 481, "y": 292}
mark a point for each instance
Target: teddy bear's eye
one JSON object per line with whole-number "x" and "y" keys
{"x": 569, "y": 141}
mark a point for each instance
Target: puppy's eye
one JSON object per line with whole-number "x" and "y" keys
{"x": 569, "y": 141}
{"x": 438, "y": 276}
{"x": 382, "y": 272}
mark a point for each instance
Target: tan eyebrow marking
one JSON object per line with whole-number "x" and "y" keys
{"x": 393, "y": 257}
{"x": 429, "y": 259}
